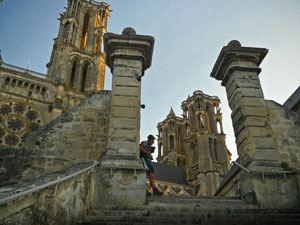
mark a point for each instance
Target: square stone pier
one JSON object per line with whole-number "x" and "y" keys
{"x": 122, "y": 178}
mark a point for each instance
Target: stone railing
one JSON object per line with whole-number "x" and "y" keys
{"x": 22, "y": 70}
{"x": 68, "y": 194}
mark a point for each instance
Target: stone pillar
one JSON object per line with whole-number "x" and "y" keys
{"x": 238, "y": 69}
{"x": 122, "y": 176}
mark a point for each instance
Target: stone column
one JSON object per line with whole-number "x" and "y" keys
{"x": 122, "y": 176}
{"x": 238, "y": 69}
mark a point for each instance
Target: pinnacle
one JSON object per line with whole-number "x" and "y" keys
{"x": 171, "y": 113}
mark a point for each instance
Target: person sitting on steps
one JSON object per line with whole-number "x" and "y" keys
{"x": 145, "y": 152}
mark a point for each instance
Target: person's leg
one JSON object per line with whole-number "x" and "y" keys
{"x": 152, "y": 182}
{"x": 151, "y": 177}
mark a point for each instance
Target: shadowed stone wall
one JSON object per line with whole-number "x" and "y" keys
{"x": 285, "y": 124}
{"x": 75, "y": 136}
{"x": 64, "y": 204}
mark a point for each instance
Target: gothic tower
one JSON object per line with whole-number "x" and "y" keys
{"x": 78, "y": 61}
{"x": 170, "y": 145}
{"x": 196, "y": 142}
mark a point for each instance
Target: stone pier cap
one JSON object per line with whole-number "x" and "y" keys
{"x": 236, "y": 57}
{"x": 131, "y": 41}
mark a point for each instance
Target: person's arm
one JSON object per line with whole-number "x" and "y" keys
{"x": 142, "y": 149}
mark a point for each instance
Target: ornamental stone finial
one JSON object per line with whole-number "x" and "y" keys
{"x": 128, "y": 31}
{"x": 234, "y": 43}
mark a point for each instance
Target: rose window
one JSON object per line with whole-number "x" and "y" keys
{"x": 31, "y": 115}
{"x": 17, "y": 120}
{"x": 5, "y": 110}
{"x": 2, "y": 132}
{"x": 11, "y": 140}
{"x": 15, "y": 124}
{"x": 19, "y": 108}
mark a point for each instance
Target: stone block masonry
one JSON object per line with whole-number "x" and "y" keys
{"x": 121, "y": 179}
{"x": 261, "y": 146}
{"x": 77, "y": 135}
{"x": 62, "y": 203}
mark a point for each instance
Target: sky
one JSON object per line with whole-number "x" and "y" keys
{"x": 189, "y": 36}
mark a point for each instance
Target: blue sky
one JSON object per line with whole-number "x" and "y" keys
{"x": 188, "y": 38}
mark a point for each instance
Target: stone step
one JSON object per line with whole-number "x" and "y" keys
{"x": 282, "y": 220}
{"x": 194, "y": 200}
{"x": 188, "y": 217}
{"x": 191, "y": 210}
{"x": 183, "y": 213}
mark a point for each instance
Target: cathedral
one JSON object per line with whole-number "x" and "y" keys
{"x": 69, "y": 150}
{"x": 29, "y": 100}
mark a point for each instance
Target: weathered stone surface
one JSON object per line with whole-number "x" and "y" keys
{"x": 286, "y": 127}
{"x": 126, "y": 91}
{"x": 64, "y": 204}
{"x": 125, "y": 112}
{"x": 261, "y": 144}
{"x": 126, "y": 101}
{"x": 120, "y": 187}
{"x": 72, "y": 136}
{"x": 127, "y": 81}
{"x": 122, "y": 175}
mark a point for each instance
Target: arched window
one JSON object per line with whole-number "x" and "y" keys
{"x": 25, "y": 85}
{"x": 216, "y": 150}
{"x": 98, "y": 44}
{"x": 31, "y": 87}
{"x": 219, "y": 127}
{"x": 98, "y": 20}
{"x": 171, "y": 142}
{"x": 37, "y": 89}
{"x": 13, "y": 83}
{"x": 179, "y": 139}
{"x": 43, "y": 92}
{"x": 7, "y": 81}
{"x": 84, "y": 31}
{"x": 161, "y": 146}
{"x": 72, "y": 78}
{"x": 20, "y": 83}
{"x": 84, "y": 76}
{"x": 210, "y": 142}
{"x": 187, "y": 129}
{"x": 201, "y": 121}
{"x": 66, "y": 31}
{"x": 207, "y": 118}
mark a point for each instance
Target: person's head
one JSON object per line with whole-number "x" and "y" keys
{"x": 151, "y": 139}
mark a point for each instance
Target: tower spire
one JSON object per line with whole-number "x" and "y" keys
{"x": 171, "y": 113}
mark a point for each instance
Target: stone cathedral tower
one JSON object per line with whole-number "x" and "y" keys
{"x": 78, "y": 61}
{"x": 29, "y": 100}
{"x": 196, "y": 142}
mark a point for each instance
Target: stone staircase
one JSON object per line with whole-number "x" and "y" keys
{"x": 191, "y": 210}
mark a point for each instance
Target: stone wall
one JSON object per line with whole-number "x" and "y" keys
{"x": 76, "y": 135}
{"x": 64, "y": 204}
{"x": 285, "y": 124}
{"x": 12, "y": 163}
